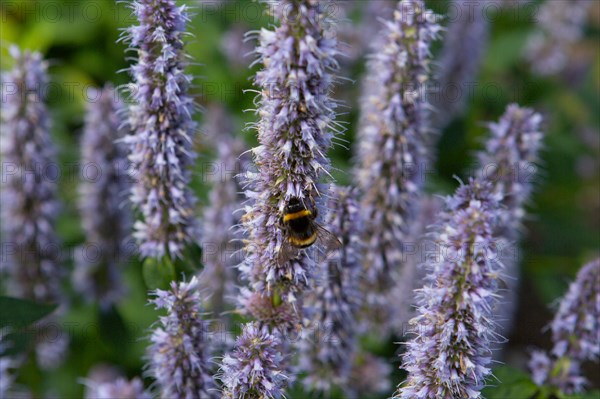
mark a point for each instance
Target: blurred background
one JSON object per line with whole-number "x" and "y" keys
{"x": 79, "y": 38}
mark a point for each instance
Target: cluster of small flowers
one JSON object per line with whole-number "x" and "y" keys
{"x": 560, "y": 26}
{"x": 29, "y": 203}
{"x": 355, "y": 40}
{"x": 179, "y": 353}
{"x": 510, "y": 162}
{"x": 450, "y": 355}
{"x": 253, "y": 369}
{"x": 575, "y": 334}
{"x": 163, "y": 130}
{"x": 104, "y": 212}
{"x": 393, "y": 139}
{"x": 454, "y": 330}
{"x": 328, "y": 354}
{"x": 465, "y": 43}
{"x": 296, "y": 115}
{"x": 221, "y": 241}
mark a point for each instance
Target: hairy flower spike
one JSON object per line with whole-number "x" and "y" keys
{"x": 450, "y": 354}
{"x": 327, "y": 355}
{"x": 221, "y": 241}
{"x": 560, "y": 25}
{"x": 296, "y": 114}
{"x": 509, "y": 162}
{"x": 575, "y": 334}
{"x": 370, "y": 375}
{"x": 29, "y": 204}
{"x": 576, "y": 326}
{"x": 252, "y": 370}
{"x": 465, "y": 43}
{"x": 178, "y": 355}
{"x": 163, "y": 129}
{"x": 393, "y": 136}
{"x": 106, "y": 218}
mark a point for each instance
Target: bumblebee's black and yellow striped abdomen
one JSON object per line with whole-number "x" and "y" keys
{"x": 301, "y": 230}
{"x": 298, "y": 221}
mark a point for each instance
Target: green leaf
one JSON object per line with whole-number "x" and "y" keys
{"x": 19, "y": 313}
{"x": 113, "y": 329}
{"x": 512, "y": 383}
{"x": 190, "y": 262}
{"x": 158, "y": 274}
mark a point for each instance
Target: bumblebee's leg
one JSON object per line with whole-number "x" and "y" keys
{"x": 279, "y": 223}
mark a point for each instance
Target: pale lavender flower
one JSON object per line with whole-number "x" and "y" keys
{"x": 465, "y": 43}
{"x": 29, "y": 203}
{"x": 161, "y": 121}
{"x": 356, "y": 37}
{"x": 282, "y": 315}
{"x": 29, "y": 181}
{"x": 393, "y": 138}
{"x": 119, "y": 388}
{"x": 52, "y": 348}
{"x": 560, "y": 26}
{"x": 370, "y": 374}
{"x": 296, "y": 115}
{"x": 253, "y": 369}
{"x": 450, "y": 354}
{"x": 328, "y": 352}
{"x": 221, "y": 240}
{"x": 411, "y": 276}
{"x": 509, "y": 162}
{"x": 236, "y": 47}
{"x": 6, "y": 375}
{"x": 179, "y": 354}
{"x": 575, "y": 334}
{"x": 106, "y": 218}
{"x": 540, "y": 365}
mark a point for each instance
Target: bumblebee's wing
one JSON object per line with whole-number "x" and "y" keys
{"x": 286, "y": 252}
{"x": 327, "y": 241}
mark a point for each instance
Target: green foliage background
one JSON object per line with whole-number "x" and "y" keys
{"x": 562, "y": 232}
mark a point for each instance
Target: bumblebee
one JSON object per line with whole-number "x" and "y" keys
{"x": 301, "y": 230}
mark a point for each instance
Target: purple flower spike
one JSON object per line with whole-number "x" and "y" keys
{"x": 252, "y": 370}
{"x": 575, "y": 334}
{"x": 560, "y": 26}
{"x": 510, "y": 163}
{"x": 106, "y": 218}
{"x": 178, "y": 356}
{"x": 327, "y": 355}
{"x": 393, "y": 137}
{"x": 29, "y": 204}
{"x": 161, "y": 121}
{"x": 296, "y": 116}
{"x": 465, "y": 43}
{"x": 221, "y": 239}
{"x": 450, "y": 354}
